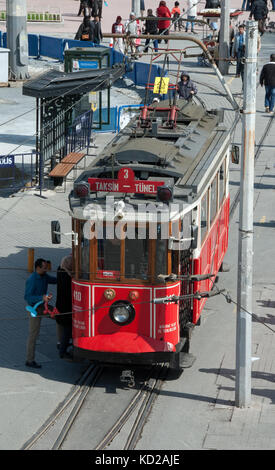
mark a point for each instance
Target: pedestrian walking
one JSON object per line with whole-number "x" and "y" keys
{"x": 131, "y": 27}
{"x": 84, "y": 32}
{"x": 97, "y": 35}
{"x": 259, "y": 11}
{"x": 142, "y": 7}
{"x": 237, "y": 51}
{"x": 186, "y": 88}
{"x": 151, "y": 27}
{"x": 246, "y": 5}
{"x": 96, "y": 8}
{"x": 163, "y": 25}
{"x": 64, "y": 304}
{"x": 267, "y": 79}
{"x": 191, "y": 14}
{"x": 36, "y": 290}
{"x": 118, "y": 28}
{"x": 84, "y": 8}
{"x": 175, "y": 12}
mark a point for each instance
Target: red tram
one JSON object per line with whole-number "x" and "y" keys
{"x": 150, "y": 221}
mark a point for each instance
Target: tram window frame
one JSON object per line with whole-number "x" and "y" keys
{"x": 213, "y": 200}
{"x": 127, "y": 274}
{"x": 82, "y": 239}
{"x": 204, "y": 229}
{"x": 222, "y": 177}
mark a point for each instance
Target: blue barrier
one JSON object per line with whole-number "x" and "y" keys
{"x": 51, "y": 47}
{"x": 112, "y": 127}
{"x": 1, "y": 39}
{"x": 33, "y": 40}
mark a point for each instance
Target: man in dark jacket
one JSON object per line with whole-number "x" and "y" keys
{"x": 186, "y": 88}
{"x": 259, "y": 11}
{"x": 96, "y": 30}
{"x": 151, "y": 27}
{"x": 85, "y": 32}
{"x": 267, "y": 78}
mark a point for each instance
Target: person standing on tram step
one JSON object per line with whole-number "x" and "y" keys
{"x": 36, "y": 290}
{"x": 84, "y": 32}
{"x": 267, "y": 78}
{"x": 163, "y": 25}
{"x": 64, "y": 304}
{"x": 186, "y": 88}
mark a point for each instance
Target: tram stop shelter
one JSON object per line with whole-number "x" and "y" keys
{"x": 64, "y": 114}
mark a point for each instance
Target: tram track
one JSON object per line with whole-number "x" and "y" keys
{"x": 54, "y": 432}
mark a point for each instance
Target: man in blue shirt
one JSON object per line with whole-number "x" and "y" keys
{"x": 36, "y": 291}
{"x": 238, "y": 48}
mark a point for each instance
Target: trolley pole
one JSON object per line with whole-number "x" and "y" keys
{"x": 17, "y": 38}
{"x": 224, "y": 38}
{"x": 245, "y": 252}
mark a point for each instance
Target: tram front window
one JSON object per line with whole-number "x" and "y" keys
{"x": 108, "y": 255}
{"x": 136, "y": 258}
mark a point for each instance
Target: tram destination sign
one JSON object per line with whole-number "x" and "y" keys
{"x": 125, "y": 183}
{"x": 7, "y": 161}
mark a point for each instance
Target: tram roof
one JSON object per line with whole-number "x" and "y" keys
{"x": 56, "y": 83}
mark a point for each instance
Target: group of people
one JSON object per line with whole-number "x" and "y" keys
{"x": 36, "y": 291}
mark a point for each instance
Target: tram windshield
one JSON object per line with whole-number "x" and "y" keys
{"x": 137, "y": 258}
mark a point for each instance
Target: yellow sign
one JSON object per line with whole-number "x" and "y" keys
{"x": 161, "y": 85}
{"x": 93, "y": 100}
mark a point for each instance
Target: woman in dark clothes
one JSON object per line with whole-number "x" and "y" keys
{"x": 64, "y": 304}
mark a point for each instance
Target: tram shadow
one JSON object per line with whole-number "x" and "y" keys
{"x": 14, "y": 318}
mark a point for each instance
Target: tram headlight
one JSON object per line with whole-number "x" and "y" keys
{"x": 122, "y": 312}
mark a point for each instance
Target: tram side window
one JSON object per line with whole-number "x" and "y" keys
{"x": 161, "y": 254}
{"x": 136, "y": 257}
{"x": 85, "y": 255}
{"x": 222, "y": 181}
{"x": 203, "y": 216}
{"x": 213, "y": 200}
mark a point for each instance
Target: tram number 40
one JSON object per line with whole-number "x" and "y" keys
{"x": 77, "y": 296}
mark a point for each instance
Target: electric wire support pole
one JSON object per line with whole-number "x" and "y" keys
{"x": 245, "y": 251}
{"x": 17, "y": 39}
{"x": 224, "y": 38}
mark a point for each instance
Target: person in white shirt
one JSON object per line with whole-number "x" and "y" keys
{"x": 191, "y": 14}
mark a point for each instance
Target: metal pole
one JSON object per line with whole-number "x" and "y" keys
{"x": 136, "y": 7}
{"x": 224, "y": 38}
{"x": 245, "y": 255}
{"x": 17, "y": 38}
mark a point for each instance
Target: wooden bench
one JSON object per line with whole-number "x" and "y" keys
{"x": 67, "y": 164}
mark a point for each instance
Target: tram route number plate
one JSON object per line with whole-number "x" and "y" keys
{"x": 125, "y": 183}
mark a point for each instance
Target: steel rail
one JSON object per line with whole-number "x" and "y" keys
{"x": 60, "y": 409}
{"x": 92, "y": 379}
